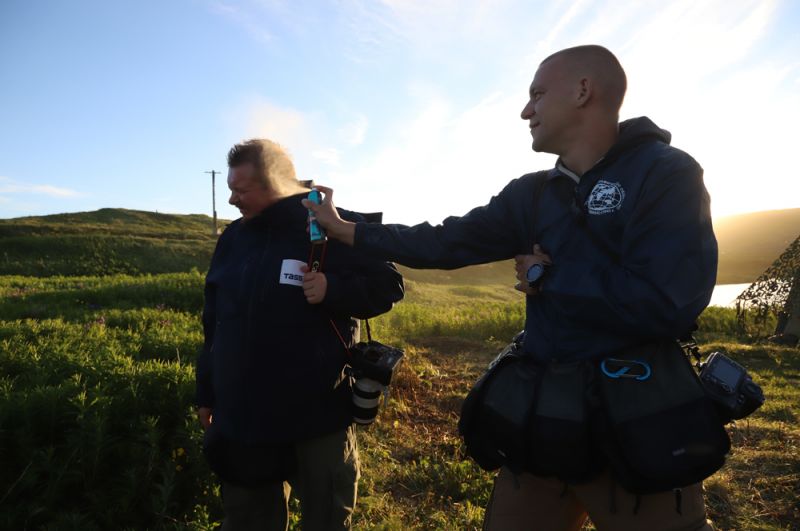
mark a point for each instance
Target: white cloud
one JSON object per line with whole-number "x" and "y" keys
{"x": 11, "y": 186}
{"x": 354, "y": 132}
{"x": 329, "y": 156}
{"x": 574, "y": 10}
{"x": 440, "y": 161}
{"x": 727, "y": 107}
{"x": 691, "y": 67}
{"x": 243, "y": 18}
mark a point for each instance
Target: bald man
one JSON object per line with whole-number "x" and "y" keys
{"x": 613, "y": 246}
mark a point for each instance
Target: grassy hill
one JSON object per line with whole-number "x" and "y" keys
{"x": 749, "y": 243}
{"x": 105, "y": 241}
{"x": 111, "y": 240}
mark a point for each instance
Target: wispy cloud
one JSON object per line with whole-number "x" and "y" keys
{"x": 691, "y": 66}
{"x": 11, "y": 186}
{"x": 442, "y": 160}
{"x": 244, "y": 18}
{"x": 329, "y": 156}
{"x": 354, "y": 132}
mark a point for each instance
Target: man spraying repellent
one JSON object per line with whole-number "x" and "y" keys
{"x": 624, "y": 253}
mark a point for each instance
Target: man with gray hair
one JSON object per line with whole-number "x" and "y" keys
{"x": 613, "y": 247}
{"x": 272, "y": 394}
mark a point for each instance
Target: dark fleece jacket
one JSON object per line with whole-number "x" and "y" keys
{"x": 272, "y": 365}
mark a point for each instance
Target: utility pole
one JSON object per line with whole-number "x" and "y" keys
{"x": 214, "y": 198}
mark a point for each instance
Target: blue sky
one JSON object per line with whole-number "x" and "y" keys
{"x": 408, "y": 107}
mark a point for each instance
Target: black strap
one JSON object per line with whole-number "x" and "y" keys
{"x": 316, "y": 259}
{"x": 369, "y": 332}
{"x": 539, "y": 183}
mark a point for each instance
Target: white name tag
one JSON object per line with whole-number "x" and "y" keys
{"x": 291, "y": 273}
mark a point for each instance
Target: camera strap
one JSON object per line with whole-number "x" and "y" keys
{"x": 316, "y": 258}
{"x": 315, "y": 262}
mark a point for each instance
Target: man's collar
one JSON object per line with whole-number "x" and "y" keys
{"x": 560, "y": 166}
{"x": 566, "y": 171}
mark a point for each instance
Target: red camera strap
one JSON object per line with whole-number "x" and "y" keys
{"x": 315, "y": 265}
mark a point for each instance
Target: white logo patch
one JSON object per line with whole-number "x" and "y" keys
{"x": 291, "y": 273}
{"x": 605, "y": 197}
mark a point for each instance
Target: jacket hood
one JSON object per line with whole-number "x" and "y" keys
{"x": 286, "y": 212}
{"x": 632, "y": 132}
{"x": 636, "y": 131}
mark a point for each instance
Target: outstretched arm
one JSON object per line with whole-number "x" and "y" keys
{"x": 496, "y": 231}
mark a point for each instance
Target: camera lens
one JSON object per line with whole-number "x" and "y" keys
{"x": 366, "y": 397}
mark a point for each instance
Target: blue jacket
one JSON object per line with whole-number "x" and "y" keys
{"x": 272, "y": 365}
{"x": 633, "y": 249}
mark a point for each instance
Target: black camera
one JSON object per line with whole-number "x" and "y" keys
{"x": 371, "y": 365}
{"x": 733, "y": 391}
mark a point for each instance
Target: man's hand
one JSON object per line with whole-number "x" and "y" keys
{"x": 523, "y": 262}
{"x": 205, "y": 416}
{"x": 328, "y": 217}
{"x": 315, "y": 285}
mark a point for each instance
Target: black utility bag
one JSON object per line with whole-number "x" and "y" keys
{"x": 495, "y": 413}
{"x": 560, "y": 430}
{"x": 661, "y": 430}
{"x": 529, "y": 416}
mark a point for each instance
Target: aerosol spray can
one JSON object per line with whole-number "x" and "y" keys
{"x": 315, "y": 231}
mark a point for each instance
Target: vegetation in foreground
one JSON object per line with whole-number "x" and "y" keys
{"x": 97, "y": 429}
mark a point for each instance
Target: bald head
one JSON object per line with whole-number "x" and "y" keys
{"x": 600, "y": 67}
{"x": 573, "y": 105}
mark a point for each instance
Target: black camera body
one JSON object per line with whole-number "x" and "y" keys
{"x": 374, "y": 360}
{"x": 733, "y": 391}
{"x": 372, "y": 365}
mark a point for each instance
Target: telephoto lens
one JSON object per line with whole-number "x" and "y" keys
{"x": 366, "y": 398}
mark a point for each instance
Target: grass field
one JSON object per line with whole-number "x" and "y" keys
{"x": 97, "y": 429}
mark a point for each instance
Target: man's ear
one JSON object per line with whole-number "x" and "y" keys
{"x": 583, "y": 91}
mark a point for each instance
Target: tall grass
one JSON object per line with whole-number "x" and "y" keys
{"x": 97, "y": 429}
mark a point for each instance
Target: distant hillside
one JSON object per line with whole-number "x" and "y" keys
{"x": 105, "y": 241}
{"x": 749, "y": 243}
{"x": 496, "y": 273}
{"x": 114, "y": 240}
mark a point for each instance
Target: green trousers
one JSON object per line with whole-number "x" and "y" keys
{"x": 325, "y": 483}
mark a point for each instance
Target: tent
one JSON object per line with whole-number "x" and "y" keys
{"x": 775, "y": 295}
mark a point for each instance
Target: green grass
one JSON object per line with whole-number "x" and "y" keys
{"x": 97, "y": 429}
{"x": 107, "y": 241}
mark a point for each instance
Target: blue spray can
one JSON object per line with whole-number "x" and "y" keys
{"x": 315, "y": 231}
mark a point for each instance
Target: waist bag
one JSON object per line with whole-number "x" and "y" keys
{"x": 661, "y": 430}
{"x": 529, "y": 417}
{"x": 642, "y": 412}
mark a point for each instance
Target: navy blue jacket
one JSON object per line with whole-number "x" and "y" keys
{"x": 271, "y": 367}
{"x": 633, "y": 249}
